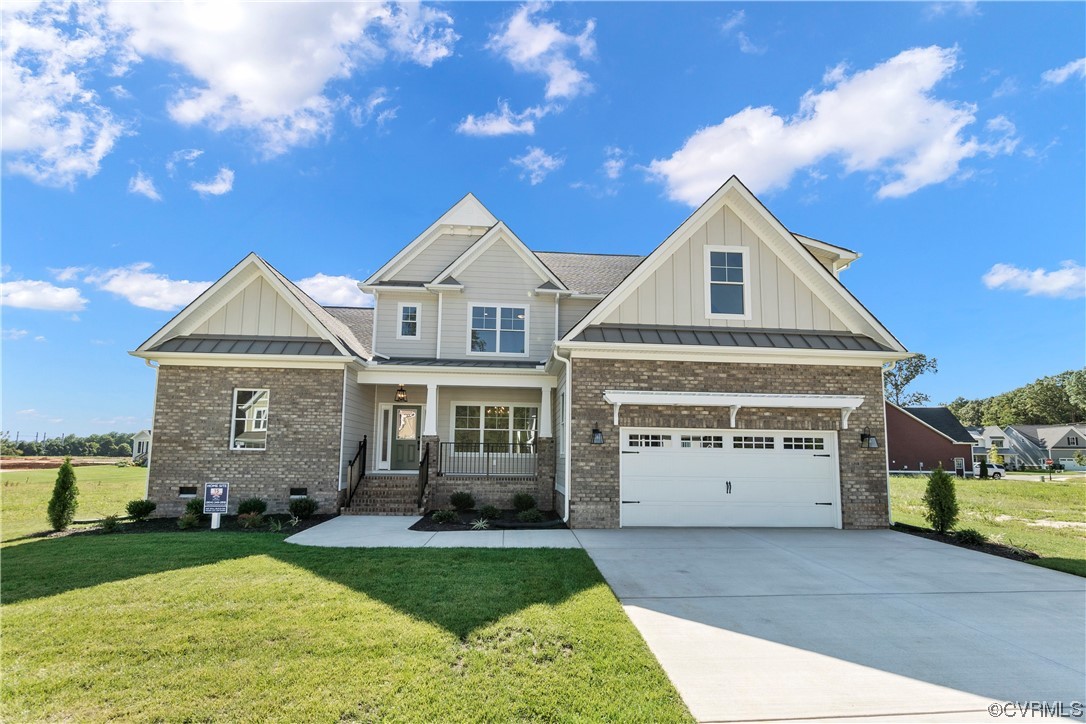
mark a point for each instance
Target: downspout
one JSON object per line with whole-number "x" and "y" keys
{"x": 440, "y": 314}
{"x": 566, "y": 422}
{"x": 886, "y": 443}
{"x": 151, "y": 445}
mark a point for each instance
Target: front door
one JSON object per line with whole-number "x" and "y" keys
{"x": 405, "y": 437}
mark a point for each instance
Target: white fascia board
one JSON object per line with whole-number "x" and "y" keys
{"x": 675, "y": 352}
{"x": 382, "y": 288}
{"x": 839, "y": 251}
{"x": 948, "y": 437}
{"x": 503, "y": 233}
{"x": 189, "y": 359}
{"x": 463, "y": 377}
{"x": 735, "y": 401}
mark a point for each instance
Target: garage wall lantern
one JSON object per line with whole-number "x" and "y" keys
{"x": 597, "y": 435}
{"x": 401, "y": 394}
{"x": 868, "y": 440}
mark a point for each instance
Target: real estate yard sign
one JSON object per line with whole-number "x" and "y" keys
{"x": 216, "y": 501}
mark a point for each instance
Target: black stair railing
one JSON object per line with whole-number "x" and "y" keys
{"x": 356, "y": 471}
{"x": 424, "y": 473}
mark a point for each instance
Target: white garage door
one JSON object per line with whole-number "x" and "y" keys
{"x": 763, "y": 478}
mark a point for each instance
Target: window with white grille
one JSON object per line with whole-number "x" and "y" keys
{"x": 702, "y": 441}
{"x": 649, "y": 440}
{"x": 803, "y": 443}
{"x": 752, "y": 442}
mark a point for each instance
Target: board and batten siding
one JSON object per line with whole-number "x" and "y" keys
{"x": 258, "y": 309}
{"x": 674, "y": 295}
{"x": 388, "y": 323}
{"x": 498, "y": 276}
{"x": 357, "y": 421}
{"x": 444, "y": 250}
{"x": 571, "y": 311}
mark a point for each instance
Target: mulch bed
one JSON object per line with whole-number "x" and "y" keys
{"x": 169, "y": 525}
{"x": 995, "y": 549}
{"x": 507, "y": 521}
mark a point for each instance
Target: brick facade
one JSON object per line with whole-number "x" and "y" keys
{"x": 192, "y": 435}
{"x": 497, "y": 490}
{"x": 595, "y": 468}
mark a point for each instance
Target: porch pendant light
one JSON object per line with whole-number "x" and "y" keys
{"x": 868, "y": 440}
{"x": 597, "y": 435}
{"x": 401, "y": 394}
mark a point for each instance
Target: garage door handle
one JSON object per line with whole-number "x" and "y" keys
{"x": 821, "y": 455}
{"x": 823, "y": 503}
{"x": 631, "y": 452}
{"x": 624, "y": 502}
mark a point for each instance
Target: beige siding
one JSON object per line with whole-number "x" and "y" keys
{"x": 675, "y": 293}
{"x": 499, "y": 276}
{"x": 357, "y": 420}
{"x": 388, "y": 322}
{"x": 571, "y": 311}
{"x": 438, "y": 255}
{"x": 258, "y": 309}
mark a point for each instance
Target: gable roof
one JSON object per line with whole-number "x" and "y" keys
{"x": 940, "y": 419}
{"x": 801, "y": 261}
{"x": 1050, "y": 436}
{"x": 590, "y": 273}
{"x": 498, "y": 232}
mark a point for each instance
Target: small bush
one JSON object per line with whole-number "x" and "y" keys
{"x": 195, "y": 507}
{"x": 275, "y": 525}
{"x": 110, "y": 524}
{"x": 489, "y": 512}
{"x": 445, "y": 516}
{"x": 251, "y": 520}
{"x": 293, "y": 521}
{"x": 188, "y": 520}
{"x": 941, "y": 501}
{"x": 303, "y": 507}
{"x": 523, "y": 501}
{"x": 65, "y": 500}
{"x": 252, "y": 505}
{"x": 971, "y": 537}
{"x": 531, "y": 515}
{"x": 480, "y": 524}
{"x": 462, "y": 500}
{"x": 140, "y": 509}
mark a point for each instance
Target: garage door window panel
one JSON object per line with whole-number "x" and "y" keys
{"x": 753, "y": 442}
{"x": 803, "y": 443}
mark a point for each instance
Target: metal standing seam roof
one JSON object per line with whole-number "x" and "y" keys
{"x": 245, "y": 344}
{"x": 943, "y": 420}
{"x": 589, "y": 273}
{"x": 726, "y": 337}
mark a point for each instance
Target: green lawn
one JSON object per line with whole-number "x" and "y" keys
{"x": 103, "y": 490}
{"x": 1008, "y": 512}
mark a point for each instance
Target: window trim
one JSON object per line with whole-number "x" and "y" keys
{"x": 481, "y": 406}
{"x": 418, "y": 320}
{"x": 708, "y": 282}
{"x": 233, "y": 418}
{"x": 500, "y": 306}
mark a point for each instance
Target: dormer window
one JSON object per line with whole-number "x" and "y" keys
{"x": 498, "y": 330}
{"x": 727, "y": 282}
{"x": 409, "y": 322}
{"x": 1072, "y": 440}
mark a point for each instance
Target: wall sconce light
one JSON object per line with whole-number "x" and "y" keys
{"x": 868, "y": 440}
{"x": 597, "y": 436}
{"x": 401, "y": 394}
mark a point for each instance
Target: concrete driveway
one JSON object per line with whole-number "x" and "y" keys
{"x": 779, "y": 624}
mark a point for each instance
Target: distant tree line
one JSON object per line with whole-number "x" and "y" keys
{"x": 109, "y": 444}
{"x": 1048, "y": 401}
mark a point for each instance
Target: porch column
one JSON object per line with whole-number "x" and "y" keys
{"x": 429, "y": 423}
{"x": 545, "y": 414}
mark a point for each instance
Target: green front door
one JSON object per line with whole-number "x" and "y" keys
{"x": 406, "y": 422}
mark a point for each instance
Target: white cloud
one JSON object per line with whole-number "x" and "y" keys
{"x": 731, "y": 27}
{"x": 31, "y": 294}
{"x": 1068, "y": 282}
{"x": 503, "y": 122}
{"x": 186, "y": 155}
{"x": 1060, "y": 75}
{"x": 39, "y": 338}
{"x": 614, "y": 163}
{"x": 961, "y": 8}
{"x": 884, "y": 121}
{"x": 535, "y": 45}
{"x": 536, "y": 164}
{"x": 66, "y": 274}
{"x": 223, "y": 183}
{"x": 14, "y": 335}
{"x": 35, "y": 415}
{"x": 748, "y": 46}
{"x": 146, "y": 289}
{"x": 54, "y": 128}
{"x": 339, "y": 291}
{"x": 734, "y": 20}
{"x": 370, "y": 109}
{"x": 120, "y": 92}
{"x": 1008, "y": 87}
{"x": 266, "y": 67}
{"x": 143, "y": 185}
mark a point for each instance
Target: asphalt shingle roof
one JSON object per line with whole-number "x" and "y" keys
{"x": 942, "y": 420}
{"x": 589, "y": 273}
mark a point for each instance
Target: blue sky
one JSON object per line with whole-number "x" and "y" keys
{"x": 148, "y": 147}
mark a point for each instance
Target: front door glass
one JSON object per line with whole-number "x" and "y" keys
{"x": 405, "y": 437}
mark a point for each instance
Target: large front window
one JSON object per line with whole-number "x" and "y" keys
{"x": 727, "y": 285}
{"x": 499, "y": 330}
{"x": 499, "y": 428}
{"x": 249, "y": 429}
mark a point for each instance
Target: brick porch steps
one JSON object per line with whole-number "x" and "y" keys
{"x": 385, "y": 495}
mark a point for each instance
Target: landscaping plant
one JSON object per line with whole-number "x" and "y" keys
{"x": 480, "y": 524}
{"x": 252, "y": 505}
{"x": 110, "y": 524}
{"x": 188, "y": 520}
{"x": 140, "y": 509}
{"x": 971, "y": 537}
{"x": 64, "y": 502}
{"x": 195, "y": 507}
{"x": 445, "y": 516}
{"x": 489, "y": 512}
{"x": 531, "y": 515}
{"x": 941, "y": 502}
{"x": 462, "y": 500}
{"x": 303, "y": 507}
{"x": 251, "y": 520}
{"x": 523, "y": 501}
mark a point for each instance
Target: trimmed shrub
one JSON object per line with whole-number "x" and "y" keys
{"x": 140, "y": 509}
{"x": 523, "y": 501}
{"x": 462, "y": 500}
{"x": 303, "y": 507}
{"x": 941, "y": 501}
{"x": 970, "y": 537}
{"x": 489, "y": 512}
{"x": 252, "y": 505}
{"x": 188, "y": 520}
{"x": 195, "y": 507}
{"x": 65, "y": 500}
{"x": 531, "y": 515}
{"x": 984, "y": 469}
{"x": 445, "y": 516}
{"x": 251, "y": 520}
{"x": 110, "y": 524}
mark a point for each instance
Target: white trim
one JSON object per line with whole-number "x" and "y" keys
{"x": 408, "y": 289}
{"x": 234, "y": 418}
{"x": 497, "y": 330}
{"x": 373, "y": 333}
{"x": 693, "y": 353}
{"x": 275, "y": 361}
{"x": 844, "y": 255}
{"x": 734, "y": 400}
{"x": 342, "y": 427}
{"x": 500, "y": 232}
{"x": 453, "y": 404}
{"x": 456, "y": 377}
{"x": 400, "y": 321}
{"x": 708, "y": 281}
{"x": 440, "y": 306}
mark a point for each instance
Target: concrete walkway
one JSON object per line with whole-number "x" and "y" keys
{"x": 390, "y": 531}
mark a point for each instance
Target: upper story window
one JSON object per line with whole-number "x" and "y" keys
{"x": 1072, "y": 440}
{"x": 727, "y": 282}
{"x": 998, "y": 442}
{"x": 499, "y": 330}
{"x": 249, "y": 429}
{"x": 409, "y": 322}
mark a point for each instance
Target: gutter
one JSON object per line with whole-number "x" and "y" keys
{"x": 567, "y": 414}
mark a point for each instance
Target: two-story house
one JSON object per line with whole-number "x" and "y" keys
{"x": 726, "y": 378}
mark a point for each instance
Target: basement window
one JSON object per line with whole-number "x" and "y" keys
{"x": 299, "y": 492}
{"x": 186, "y": 491}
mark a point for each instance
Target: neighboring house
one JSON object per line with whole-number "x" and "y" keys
{"x": 990, "y": 436}
{"x": 728, "y": 378}
{"x": 141, "y": 445}
{"x": 921, "y": 438}
{"x": 1040, "y": 443}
